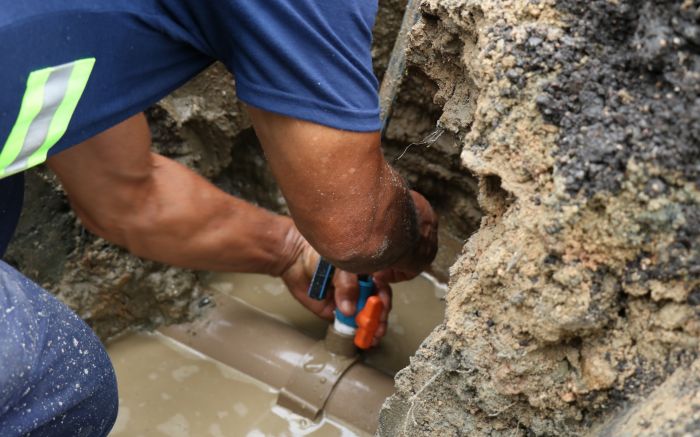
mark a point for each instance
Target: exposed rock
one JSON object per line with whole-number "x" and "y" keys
{"x": 580, "y": 120}
{"x": 673, "y": 409}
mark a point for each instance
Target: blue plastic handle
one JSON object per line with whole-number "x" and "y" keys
{"x": 321, "y": 280}
{"x": 366, "y": 290}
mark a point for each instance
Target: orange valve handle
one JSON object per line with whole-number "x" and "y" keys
{"x": 368, "y": 321}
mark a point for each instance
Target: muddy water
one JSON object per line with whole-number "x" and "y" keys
{"x": 168, "y": 389}
{"x": 418, "y": 306}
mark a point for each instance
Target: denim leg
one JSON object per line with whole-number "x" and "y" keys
{"x": 55, "y": 376}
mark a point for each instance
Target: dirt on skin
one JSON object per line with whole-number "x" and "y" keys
{"x": 579, "y": 293}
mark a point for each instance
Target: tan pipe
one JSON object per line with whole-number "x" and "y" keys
{"x": 271, "y": 351}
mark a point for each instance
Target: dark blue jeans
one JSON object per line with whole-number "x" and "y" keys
{"x": 55, "y": 376}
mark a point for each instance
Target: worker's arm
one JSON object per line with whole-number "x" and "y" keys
{"x": 161, "y": 210}
{"x": 345, "y": 198}
{"x": 158, "y": 209}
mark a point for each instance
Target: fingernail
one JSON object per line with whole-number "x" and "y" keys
{"x": 346, "y": 307}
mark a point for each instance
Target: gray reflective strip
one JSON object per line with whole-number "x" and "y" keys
{"x": 54, "y": 92}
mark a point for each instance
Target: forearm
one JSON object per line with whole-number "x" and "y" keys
{"x": 177, "y": 217}
{"x": 344, "y": 197}
{"x": 404, "y": 233}
{"x": 391, "y": 226}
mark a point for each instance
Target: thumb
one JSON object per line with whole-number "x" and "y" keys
{"x": 347, "y": 291}
{"x": 309, "y": 259}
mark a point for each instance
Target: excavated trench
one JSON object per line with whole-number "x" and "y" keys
{"x": 558, "y": 139}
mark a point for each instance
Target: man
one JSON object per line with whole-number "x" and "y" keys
{"x": 75, "y": 76}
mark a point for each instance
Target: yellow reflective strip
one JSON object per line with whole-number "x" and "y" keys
{"x": 59, "y": 124}
{"x": 31, "y": 106}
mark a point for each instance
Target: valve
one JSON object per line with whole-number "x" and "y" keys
{"x": 368, "y": 321}
{"x": 347, "y": 324}
{"x": 364, "y": 323}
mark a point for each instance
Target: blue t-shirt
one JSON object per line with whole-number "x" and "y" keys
{"x": 73, "y": 68}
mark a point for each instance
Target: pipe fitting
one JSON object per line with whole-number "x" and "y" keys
{"x": 339, "y": 343}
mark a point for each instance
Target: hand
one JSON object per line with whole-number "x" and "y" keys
{"x": 343, "y": 293}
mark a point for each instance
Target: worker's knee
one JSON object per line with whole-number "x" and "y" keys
{"x": 21, "y": 337}
{"x": 59, "y": 380}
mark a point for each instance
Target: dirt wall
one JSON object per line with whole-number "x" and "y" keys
{"x": 579, "y": 293}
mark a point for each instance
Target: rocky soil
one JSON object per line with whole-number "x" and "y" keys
{"x": 561, "y": 140}
{"x": 579, "y": 293}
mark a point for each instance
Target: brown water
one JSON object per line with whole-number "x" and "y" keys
{"x": 167, "y": 389}
{"x": 418, "y": 306}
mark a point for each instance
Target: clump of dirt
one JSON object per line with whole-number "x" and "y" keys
{"x": 673, "y": 409}
{"x": 577, "y": 295}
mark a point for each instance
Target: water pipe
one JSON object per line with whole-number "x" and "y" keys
{"x": 310, "y": 378}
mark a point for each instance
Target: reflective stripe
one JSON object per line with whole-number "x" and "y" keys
{"x": 59, "y": 125}
{"x": 49, "y": 102}
{"x": 31, "y": 105}
{"x": 54, "y": 90}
